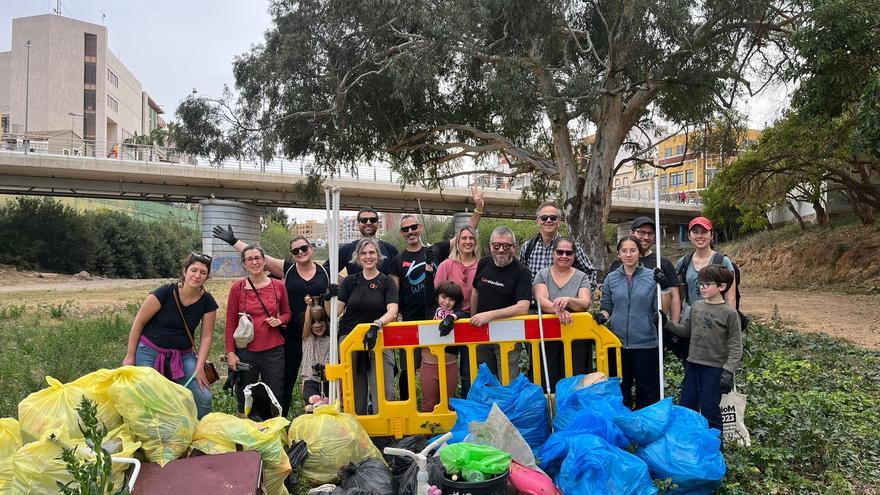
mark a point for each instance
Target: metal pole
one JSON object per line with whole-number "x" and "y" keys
{"x": 544, "y": 360}
{"x": 659, "y": 295}
{"x": 27, "y": 91}
{"x": 331, "y": 197}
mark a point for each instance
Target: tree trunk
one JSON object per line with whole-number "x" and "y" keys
{"x": 821, "y": 214}
{"x": 797, "y": 215}
{"x": 864, "y": 211}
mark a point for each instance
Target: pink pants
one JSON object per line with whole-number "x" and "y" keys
{"x": 430, "y": 378}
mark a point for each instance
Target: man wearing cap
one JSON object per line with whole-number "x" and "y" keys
{"x": 537, "y": 253}
{"x": 643, "y": 229}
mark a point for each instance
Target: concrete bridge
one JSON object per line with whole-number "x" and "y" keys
{"x": 232, "y": 192}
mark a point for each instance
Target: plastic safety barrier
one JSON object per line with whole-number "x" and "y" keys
{"x": 400, "y": 418}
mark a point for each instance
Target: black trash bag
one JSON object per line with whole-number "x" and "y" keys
{"x": 297, "y": 456}
{"x": 368, "y": 477}
{"x": 264, "y": 405}
{"x": 408, "y": 481}
{"x": 400, "y": 464}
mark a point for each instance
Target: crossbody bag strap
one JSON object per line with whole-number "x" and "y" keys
{"x": 259, "y": 298}
{"x": 183, "y": 318}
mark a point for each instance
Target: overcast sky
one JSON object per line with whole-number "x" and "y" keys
{"x": 176, "y": 46}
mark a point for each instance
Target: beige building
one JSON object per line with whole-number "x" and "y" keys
{"x": 75, "y": 86}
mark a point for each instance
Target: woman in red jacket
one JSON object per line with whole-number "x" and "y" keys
{"x": 265, "y": 301}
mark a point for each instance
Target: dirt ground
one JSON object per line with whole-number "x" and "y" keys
{"x": 850, "y": 316}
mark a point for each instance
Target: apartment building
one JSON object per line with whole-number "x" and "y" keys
{"x": 60, "y": 79}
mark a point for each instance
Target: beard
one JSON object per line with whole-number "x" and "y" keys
{"x": 502, "y": 260}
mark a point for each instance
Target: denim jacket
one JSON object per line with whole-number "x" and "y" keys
{"x": 633, "y": 309}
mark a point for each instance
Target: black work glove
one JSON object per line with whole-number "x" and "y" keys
{"x": 447, "y": 325}
{"x": 430, "y": 255}
{"x": 726, "y": 383}
{"x": 661, "y": 316}
{"x": 660, "y": 278}
{"x": 600, "y": 317}
{"x": 370, "y": 337}
{"x": 226, "y": 235}
{"x": 332, "y": 291}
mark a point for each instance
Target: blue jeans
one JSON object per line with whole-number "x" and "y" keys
{"x": 144, "y": 356}
{"x": 701, "y": 391}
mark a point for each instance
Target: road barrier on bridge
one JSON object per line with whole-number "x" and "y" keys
{"x": 399, "y": 418}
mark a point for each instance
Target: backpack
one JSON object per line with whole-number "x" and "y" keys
{"x": 530, "y": 246}
{"x": 717, "y": 259}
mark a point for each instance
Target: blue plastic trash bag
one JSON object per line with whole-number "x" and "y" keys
{"x": 588, "y": 465}
{"x": 647, "y": 424}
{"x": 689, "y": 453}
{"x": 599, "y": 423}
{"x": 603, "y": 398}
{"x": 521, "y": 401}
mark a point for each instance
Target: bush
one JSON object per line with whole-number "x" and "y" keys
{"x": 43, "y": 233}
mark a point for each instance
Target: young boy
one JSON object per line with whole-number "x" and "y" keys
{"x": 716, "y": 345}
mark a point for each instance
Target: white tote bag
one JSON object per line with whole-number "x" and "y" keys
{"x": 244, "y": 332}
{"x": 733, "y": 418}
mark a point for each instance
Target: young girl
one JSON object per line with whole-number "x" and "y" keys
{"x": 449, "y": 298}
{"x": 316, "y": 350}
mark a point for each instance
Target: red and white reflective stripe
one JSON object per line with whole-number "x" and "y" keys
{"x": 464, "y": 333}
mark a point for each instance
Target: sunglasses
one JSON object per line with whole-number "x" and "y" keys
{"x": 550, "y": 218}
{"x": 366, "y": 220}
{"x": 204, "y": 258}
{"x": 564, "y": 252}
{"x": 410, "y": 228}
{"x": 299, "y": 250}
{"x": 501, "y": 246}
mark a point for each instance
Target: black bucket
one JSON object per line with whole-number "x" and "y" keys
{"x": 494, "y": 486}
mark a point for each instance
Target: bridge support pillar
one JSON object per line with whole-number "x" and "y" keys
{"x": 245, "y": 222}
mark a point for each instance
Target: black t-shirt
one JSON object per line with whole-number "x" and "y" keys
{"x": 416, "y": 294}
{"x": 346, "y": 251}
{"x": 501, "y": 287}
{"x": 165, "y": 328}
{"x": 298, "y": 289}
{"x": 650, "y": 262}
{"x": 365, "y": 300}
{"x": 442, "y": 249}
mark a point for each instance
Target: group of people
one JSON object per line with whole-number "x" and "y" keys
{"x": 286, "y": 302}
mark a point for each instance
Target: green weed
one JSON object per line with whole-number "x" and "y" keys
{"x": 12, "y": 312}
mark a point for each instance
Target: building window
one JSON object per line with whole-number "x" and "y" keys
{"x": 90, "y": 58}
{"x": 675, "y": 179}
{"x": 668, "y": 153}
{"x": 112, "y": 103}
{"x": 4, "y": 124}
{"x": 616, "y": 182}
{"x": 662, "y": 182}
{"x": 626, "y": 181}
{"x": 679, "y": 150}
{"x": 113, "y": 78}
{"x": 689, "y": 177}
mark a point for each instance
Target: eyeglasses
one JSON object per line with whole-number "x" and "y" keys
{"x": 299, "y": 250}
{"x": 251, "y": 259}
{"x": 204, "y": 258}
{"x": 643, "y": 233}
{"x": 564, "y": 252}
{"x": 366, "y": 220}
{"x": 705, "y": 285}
{"x": 410, "y": 228}
{"x": 501, "y": 246}
{"x": 550, "y": 218}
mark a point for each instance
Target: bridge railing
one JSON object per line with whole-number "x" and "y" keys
{"x": 68, "y": 144}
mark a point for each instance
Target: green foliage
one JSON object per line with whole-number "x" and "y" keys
{"x": 90, "y": 477}
{"x": 12, "y": 312}
{"x": 275, "y": 239}
{"x": 42, "y": 233}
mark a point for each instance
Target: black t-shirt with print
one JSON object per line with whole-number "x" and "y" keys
{"x": 416, "y": 294}
{"x": 365, "y": 300}
{"x": 501, "y": 287}
{"x": 297, "y": 290}
{"x": 165, "y": 328}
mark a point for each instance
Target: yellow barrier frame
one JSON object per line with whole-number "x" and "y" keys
{"x": 402, "y": 418}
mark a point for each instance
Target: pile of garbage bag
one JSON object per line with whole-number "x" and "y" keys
{"x": 589, "y": 451}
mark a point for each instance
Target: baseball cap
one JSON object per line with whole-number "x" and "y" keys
{"x": 639, "y": 221}
{"x": 702, "y": 222}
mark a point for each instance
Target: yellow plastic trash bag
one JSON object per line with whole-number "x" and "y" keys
{"x": 49, "y": 409}
{"x": 36, "y": 467}
{"x": 334, "y": 439}
{"x": 10, "y": 442}
{"x": 219, "y": 433}
{"x": 160, "y": 413}
{"x": 96, "y": 386}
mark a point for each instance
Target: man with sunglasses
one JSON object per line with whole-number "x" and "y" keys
{"x": 368, "y": 225}
{"x": 643, "y": 229}
{"x": 537, "y": 253}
